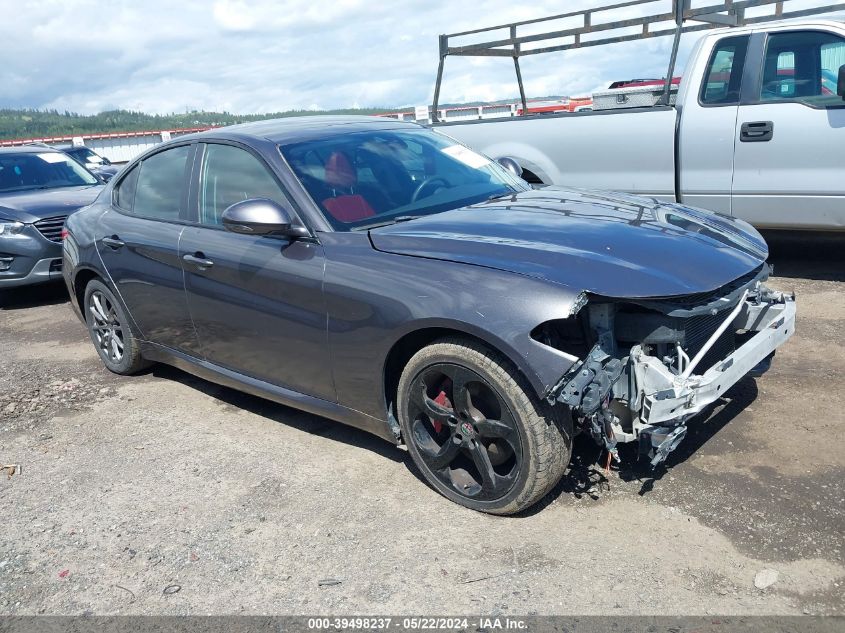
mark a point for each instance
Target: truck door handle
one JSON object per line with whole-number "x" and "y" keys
{"x": 756, "y": 131}
{"x": 199, "y": 260}
{"x": 113, "y": 242}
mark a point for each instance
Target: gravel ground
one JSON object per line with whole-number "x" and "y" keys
{"x": 166, "y": 494}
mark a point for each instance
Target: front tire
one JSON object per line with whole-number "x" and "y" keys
{"x": 477, "y": 431}
{"x": 110, "y": 332}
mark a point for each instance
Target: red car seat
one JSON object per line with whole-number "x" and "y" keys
{"x": 341, "y": 175}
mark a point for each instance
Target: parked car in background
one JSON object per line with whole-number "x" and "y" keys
{"x": 39, "y": 188}
{"x": 95, "y": 163}
{"x": 379, "y": 273}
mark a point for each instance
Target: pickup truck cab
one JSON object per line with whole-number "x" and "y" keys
{"x": 757, "y": 132}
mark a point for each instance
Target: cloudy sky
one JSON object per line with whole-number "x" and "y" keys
{"x": 255, "y": 56}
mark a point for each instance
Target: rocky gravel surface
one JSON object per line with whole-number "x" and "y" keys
{"x": 166, "y": 494}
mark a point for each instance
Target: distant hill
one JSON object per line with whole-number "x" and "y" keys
{"x": 29, "y": 123}
{"x": 47, "y": 123}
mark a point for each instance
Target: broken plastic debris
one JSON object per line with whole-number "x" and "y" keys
{"x": 328, "y": 582}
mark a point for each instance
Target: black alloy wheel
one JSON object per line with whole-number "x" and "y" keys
{"x": 464, "y": 431}
{"x": 476, "y": 431}
{"x": 106, "y": 328}
{"x": 110, "y": 332}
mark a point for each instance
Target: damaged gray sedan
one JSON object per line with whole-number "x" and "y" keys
{"x": 385, "y": 276}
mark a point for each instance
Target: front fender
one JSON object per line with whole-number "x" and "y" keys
{"x": 375, "y": 299}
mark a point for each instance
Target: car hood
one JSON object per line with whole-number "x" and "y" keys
{"x": 610, "y": 244}
{"x": 31, "y": 206}
{"x": 111, "y": 170}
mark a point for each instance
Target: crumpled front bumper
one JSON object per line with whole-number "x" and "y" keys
{"x": 667, "y": 397}
{"x": 638, "y": 397}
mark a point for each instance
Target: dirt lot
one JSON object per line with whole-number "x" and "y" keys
{"x": 165, "y": 494}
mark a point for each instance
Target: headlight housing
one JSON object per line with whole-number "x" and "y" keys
{"x": 10, "y": 229}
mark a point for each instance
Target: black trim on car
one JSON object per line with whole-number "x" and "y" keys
{"x": 752, "y": 73}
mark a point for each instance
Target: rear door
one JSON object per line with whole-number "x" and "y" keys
{"x": 789, "y": 166}
{"x": 708, "y": 118}
{"x": 138, "y": 243}
{"x": 256, "y": 301}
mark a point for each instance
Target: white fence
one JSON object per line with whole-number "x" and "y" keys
{"x": 457, "y": 113}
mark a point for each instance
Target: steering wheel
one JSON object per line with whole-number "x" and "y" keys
{"x": 425, "y": 183}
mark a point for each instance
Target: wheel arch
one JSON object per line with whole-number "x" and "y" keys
{"x": 83, "y": 276}
{"x": 404, "y": 348}
{"x": 81, "y": 279}
{"x": 538, "y": 167}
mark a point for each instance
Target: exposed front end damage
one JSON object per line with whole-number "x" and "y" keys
{"x": 654, "y": 364}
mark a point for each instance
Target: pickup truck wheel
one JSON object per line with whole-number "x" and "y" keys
{"x": 110, "y": 332}
{"x": 476, "y": 430}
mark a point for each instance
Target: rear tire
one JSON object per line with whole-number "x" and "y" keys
{"x": 477, "y": 431}
{"x": 110, "y": 332}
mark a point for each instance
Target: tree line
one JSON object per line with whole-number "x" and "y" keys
{"x": 31, "y": 123}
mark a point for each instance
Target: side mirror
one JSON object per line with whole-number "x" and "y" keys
{"x": 840, "y": 84}
{"x": 261, "y": 216}
{"x": 511, "y": 165}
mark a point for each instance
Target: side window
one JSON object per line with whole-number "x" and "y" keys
{"x": 161, "y": 181}
{"x": 802, "y": 66}
{"x": 230, "y": 175}
{"x": 124, "y": 193}
{"x": 723, "y": 78}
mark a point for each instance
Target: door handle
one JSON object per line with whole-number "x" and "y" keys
{"x": 113, "y": 242}
{"x": 756, "y": 131}
{"x": 199, "y": 260}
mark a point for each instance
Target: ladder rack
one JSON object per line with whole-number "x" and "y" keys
{"x": 716, "y": 14}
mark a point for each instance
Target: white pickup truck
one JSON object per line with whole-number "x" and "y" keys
{"x": 758, "y": 132}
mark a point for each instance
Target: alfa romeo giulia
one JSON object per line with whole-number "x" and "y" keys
{"x": 383, "y": 275}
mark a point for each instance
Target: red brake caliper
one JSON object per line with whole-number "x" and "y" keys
{"x": 443, "y": 401}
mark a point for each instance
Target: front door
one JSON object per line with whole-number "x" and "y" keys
{"x": 257, "y": 302}
{"x": 138, "y": 241}
{"x": 789, "y": 165}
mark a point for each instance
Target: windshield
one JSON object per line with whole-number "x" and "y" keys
{"x": 85, "y": 155}
{"x": 364, "y": 179}
{"x": 42, "y": 170}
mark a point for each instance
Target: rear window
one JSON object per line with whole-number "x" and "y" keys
{"x": 85, "y": 155}
{"x": 161, "y": 182}
{"x": 124, "y": 193}
{"x": 41, "y": 170}
{"x": 724, "y": 72}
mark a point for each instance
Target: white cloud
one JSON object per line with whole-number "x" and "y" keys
{"x": 268, "y": 55}
{"x": 235, "y": 16}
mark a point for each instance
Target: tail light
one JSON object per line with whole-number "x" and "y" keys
{"x": 64, "y": 233}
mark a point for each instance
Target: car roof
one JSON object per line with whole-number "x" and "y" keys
{"x": 28, "y": 149}
{"x": 300, "y": 128}
{"x": 834, "y": 20}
